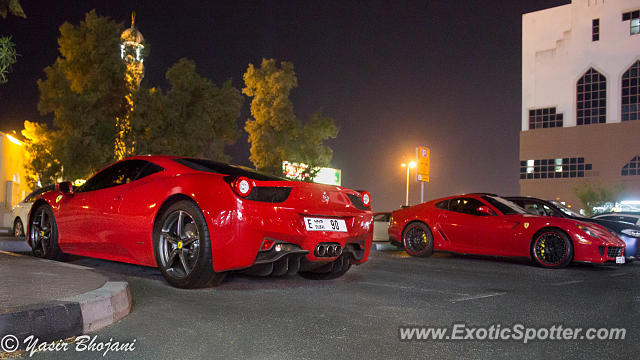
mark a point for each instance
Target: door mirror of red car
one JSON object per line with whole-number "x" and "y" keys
{"x": 484, "y": 211}
{"x": 66, "y": 187}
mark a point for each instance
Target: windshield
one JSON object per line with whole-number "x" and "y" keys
{"x": 505, "y": 206}
{"x": 565, "y": 209}
{"x": 225, "y": 169}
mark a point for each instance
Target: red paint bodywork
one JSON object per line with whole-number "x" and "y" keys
{"x": 117, "y": 223}
{"x": 500, "y": 235}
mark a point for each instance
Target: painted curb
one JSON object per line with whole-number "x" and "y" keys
{"x": 103, "y": 306}
{"x": 71, "y": 316}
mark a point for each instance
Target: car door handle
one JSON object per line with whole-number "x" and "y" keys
{"x": 118, "y": 198}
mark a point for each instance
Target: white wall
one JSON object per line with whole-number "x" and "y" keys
{"x": 557, "y": 50}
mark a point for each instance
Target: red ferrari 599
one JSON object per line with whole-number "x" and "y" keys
{"x": 198, "y": 219}
{"x": 486, "y": 224}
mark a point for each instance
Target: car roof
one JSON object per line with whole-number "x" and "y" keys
{"x": 636, "y": 213}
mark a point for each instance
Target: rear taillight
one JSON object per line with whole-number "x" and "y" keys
{"x": 366, "y": 198}
{"x": 242, "y": 186}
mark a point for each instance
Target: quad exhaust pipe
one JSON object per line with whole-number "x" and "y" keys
{"x": 328, "y": 250}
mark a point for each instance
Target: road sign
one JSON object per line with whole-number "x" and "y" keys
{"x": 424, "y": 161}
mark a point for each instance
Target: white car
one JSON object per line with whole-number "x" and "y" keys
{"x": 20, "y": 212}
{"x": 381, "y": 226}
{"x": 623, "y": 216}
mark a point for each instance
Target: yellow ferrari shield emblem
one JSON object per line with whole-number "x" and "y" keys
{"x": 526, "y": 225}
{"x": 179, "y": 244}
{"x": 58, "y": 198}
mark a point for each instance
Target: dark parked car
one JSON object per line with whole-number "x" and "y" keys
{"x": 629, "y": 233}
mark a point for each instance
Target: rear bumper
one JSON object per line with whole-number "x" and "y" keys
{"x": 289, "y": 259}
{"x": 237, "y": 236}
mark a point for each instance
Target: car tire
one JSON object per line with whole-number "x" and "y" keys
{"x": 332, "y": 270}
{"x": 43, "y": 234}
{"x": 18, "y": 228}
{"x": 417, "y": 239}
{"x": 551, "y": 248}
{"x": 183, "y": 252}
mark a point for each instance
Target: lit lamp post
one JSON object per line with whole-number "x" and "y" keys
{"x": 411, "y": 165}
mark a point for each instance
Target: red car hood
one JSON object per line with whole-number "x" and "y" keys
{"x": 571, "y": 224}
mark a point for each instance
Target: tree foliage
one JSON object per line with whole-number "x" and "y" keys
{"x": 11, "y": 6}
{"x": 595, "y": 195}
{"x": 85, "y": 90}
{"x": 8, "y": 54}
{"x": 8, "y": 57}
{"x": 274, "y": 131}
{"x": 41, "y": 164}
{"x": 194, "y": 118}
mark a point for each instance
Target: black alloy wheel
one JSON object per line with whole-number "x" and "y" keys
{"x": 417, "y": 239}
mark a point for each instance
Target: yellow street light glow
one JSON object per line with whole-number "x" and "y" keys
{"x": 404, "y": 165}
{"x": 14, "y": 140}
{"x": 412, "y": 164}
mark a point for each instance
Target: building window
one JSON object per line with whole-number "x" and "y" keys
{"x": 544, "y": 118}
{"x": 630, "y": 93}
{"x": 634, "y": 20}
{"x": 591, "y": 93}
{"x": 632, "y": 167}
{"x": 595, "y": 29}
{"x": 554, "y": 168}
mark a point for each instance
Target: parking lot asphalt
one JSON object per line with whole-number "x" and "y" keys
{"x": 358, "y": 315}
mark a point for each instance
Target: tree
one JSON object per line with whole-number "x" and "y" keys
{"x": 274, "y": 132}
{"x": 8, "y": 57}
{"x": 194, "y": 118}
{"x": 41, "y": 166}
{"x": 312, "y": 150}
{"x": 594, "y": 195}
{"x": 8, "y": 54}
{"x": 11, "y": 6}
{"x": 85, "y": 90}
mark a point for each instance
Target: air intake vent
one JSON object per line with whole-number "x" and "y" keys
{"x": 357, "y": 202}
{"x": 269, "y": 194}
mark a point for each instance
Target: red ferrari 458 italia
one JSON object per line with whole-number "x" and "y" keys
{"x": 197, "y": 219}
{"x": 486, "y": 224}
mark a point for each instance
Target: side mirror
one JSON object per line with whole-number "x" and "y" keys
{"x": 66, "y": 187}
{"x": 484, "y": 211}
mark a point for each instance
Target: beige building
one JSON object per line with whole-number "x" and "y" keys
{"x": 12, "y": 175}
{"x": 580, "y": 99}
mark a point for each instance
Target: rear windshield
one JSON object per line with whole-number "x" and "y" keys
{"x": 225, "y": 169}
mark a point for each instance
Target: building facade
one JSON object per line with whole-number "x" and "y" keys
{"x": 12, "y": 175}
{"x": 580, "y": 99}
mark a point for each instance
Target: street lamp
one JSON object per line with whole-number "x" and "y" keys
{"x": 411, "y": 165}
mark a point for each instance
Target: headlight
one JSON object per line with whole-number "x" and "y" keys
{"x": 631, "y": 232}
{"x": 588, "y": 231}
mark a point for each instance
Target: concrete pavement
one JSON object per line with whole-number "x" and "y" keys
{"x": 359, "y": 314}
{"x": 54, "y": 300}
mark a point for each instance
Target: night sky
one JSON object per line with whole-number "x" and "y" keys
{"x": 393, "y": 75}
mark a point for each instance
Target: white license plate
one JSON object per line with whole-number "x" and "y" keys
{"x": 325, "y": 224}
{"x": 619, "y": 259}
